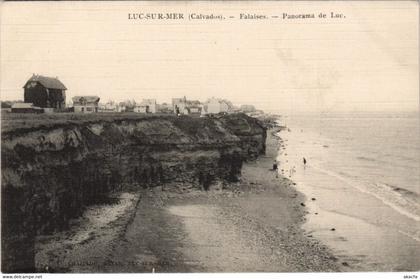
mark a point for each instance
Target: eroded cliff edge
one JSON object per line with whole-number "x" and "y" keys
{"x": 49, "y": 173}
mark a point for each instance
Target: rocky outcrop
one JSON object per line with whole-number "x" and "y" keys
{"x": 49, "y": 173}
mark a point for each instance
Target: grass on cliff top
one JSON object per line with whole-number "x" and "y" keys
{"x": 15, "y": 122}
{"x": 28, "y": 121}
{"x": 195, "y": 126}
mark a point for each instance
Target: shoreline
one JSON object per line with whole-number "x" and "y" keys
{"x": 357, "y": 212}
{"x": 254, "y": 225}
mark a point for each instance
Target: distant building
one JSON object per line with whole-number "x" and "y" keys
{"x": 179, "y": 104}
{"x": 111, "y": 106}
{"x": 45, "y": 92}
{"x": 86, "y": 104}
{"x": 194, "y": 110}
{"x": 146, "y": 106}
{"x": 164, "y": 108}
{"x": 6, "y": 106}
{"x": 141, "y": 109}
{"x": 121, "y": 107}
{"x": 184, "y": 106}
{"x": 25, "y": 108}
{"x": 214, "y": 105}
{"x": 129, "y": 105}
{"x": 108, "y": 107}
{"x": 193, "y": 107}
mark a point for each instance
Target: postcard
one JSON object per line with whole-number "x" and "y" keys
{"x": 210, "y": 137}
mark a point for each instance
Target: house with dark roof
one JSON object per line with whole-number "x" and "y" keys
{"x": 86, "y": 104}
{"x": 45, "y": 92}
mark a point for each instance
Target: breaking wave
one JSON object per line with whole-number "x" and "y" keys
{"x": 403, "y": 201}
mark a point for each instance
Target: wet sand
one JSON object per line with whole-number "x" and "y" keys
{"x": 367, "y": 223}
{"x": 252, "y": 226}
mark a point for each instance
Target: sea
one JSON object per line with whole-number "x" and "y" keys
{"x": 362, "y": 184}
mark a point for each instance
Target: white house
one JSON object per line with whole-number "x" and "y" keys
{"x": 86, "y": 104}
{"x": 140, "y": 109}
{"x": 214, "y": 105}
{"x": 121, "y": 107}
{"x": 179, "y": 105}
{"x": 184, "y": 106}
{"x": 146, "y": 106}
{"x": 108, "y": 107}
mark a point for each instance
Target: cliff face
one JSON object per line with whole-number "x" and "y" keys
{"x": 50, "y": 173}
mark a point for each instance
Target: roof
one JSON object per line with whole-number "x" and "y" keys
{"x": 88, "y": 99}
{"x": 194, "y": 103}
{"x": 148, "y": 102}
{"x": 220, "y": 101}
{"x": 215, "y": 100}
{"x": 47, "y": 82}
{"x": 178, "y": 100}
{"x": 22, "y": 105}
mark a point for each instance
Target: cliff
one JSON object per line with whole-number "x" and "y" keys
{"x": 51, "y": 171}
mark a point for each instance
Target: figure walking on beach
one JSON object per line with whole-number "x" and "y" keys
{"x": 304, "y": 161}
{"x": 275, "y": 168}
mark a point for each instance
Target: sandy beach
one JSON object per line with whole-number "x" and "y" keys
{"x": 365, "y": 182}
{"x": 252, "y": 226}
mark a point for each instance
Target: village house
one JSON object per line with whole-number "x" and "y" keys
{"x": 45, "y": 92}
{"x": 109, "y": 107}
{"x": 164, "y": 108}
{"x": 6, "y": 106}
{"x": 184, "y": 106}
{"x": 140, "y": 109}
{"x": 179, "y": 104}
{"x": 121, "y": 107}
{"x": 86, "y": 104}
{"x": 193, "y": 107}
{"x": 213, "y": 106}
{"x": 146, "y": 106}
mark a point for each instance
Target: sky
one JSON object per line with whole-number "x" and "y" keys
{"x": 367, "y": 61}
